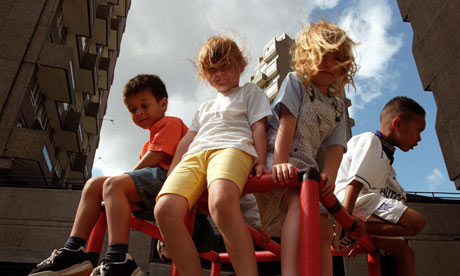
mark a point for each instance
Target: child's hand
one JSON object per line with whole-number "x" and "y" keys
{"x": 328, "y": 186}
{"x": 282, "y": 172}
{"x": 259, "y": 169}
{"x": 266, "y": 237}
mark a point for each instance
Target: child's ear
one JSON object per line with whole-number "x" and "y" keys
{"x": 164, "y": 104}
{"x": 396, "y": 123}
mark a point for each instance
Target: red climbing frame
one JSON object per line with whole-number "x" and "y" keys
{"x": 310, "y": 236}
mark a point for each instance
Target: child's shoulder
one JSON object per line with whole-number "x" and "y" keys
{"x": 170, "y": 120}
{"x": 365, "y": 139}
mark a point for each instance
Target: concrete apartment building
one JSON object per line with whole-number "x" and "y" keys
{"x": 57, "y": 59}
{"x": 436, "y": 49}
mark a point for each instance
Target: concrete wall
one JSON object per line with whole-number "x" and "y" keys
{"x": 33, "y": 222}
{"x": 436, "y": 46}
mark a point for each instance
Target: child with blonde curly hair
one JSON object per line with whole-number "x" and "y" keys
{"x": 308, "y": 115}
{"x": 225, "y": 142}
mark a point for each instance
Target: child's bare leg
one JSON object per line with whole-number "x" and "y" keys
{"x": 290, "y": 234}
{"x": 224, "y": 206}
{"x": 325, "y": 229}
{"x": 118, "y": 191}
{"x": 410, "y": 224}
{"x": 88, "y": 208}
{"x": 170, "y": 212}
{"x": 403, "y": 254}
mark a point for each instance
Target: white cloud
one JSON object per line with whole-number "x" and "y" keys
{"x": 368, "y": 23}
{"x": 435, "y": 179}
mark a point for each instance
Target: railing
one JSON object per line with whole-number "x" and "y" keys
{"x": 25, "y": 181}
{"x": 433, "y": 197}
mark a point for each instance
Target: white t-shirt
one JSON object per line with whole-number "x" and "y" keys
{"x": 225, "y": 122}
{"x": 366, "y": 162}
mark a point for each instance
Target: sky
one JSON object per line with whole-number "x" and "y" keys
{"x": 164, "y": 37}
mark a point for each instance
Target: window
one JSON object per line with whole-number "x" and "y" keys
{"x": 80, "y": 133}
{"x": 60, "y": 25}
{"x": 36, "y": 96}
{"x": 21, "y": 123}
{"x": 84, "y": 42}
{"x": 42, "y": 117}
{"x": 72, "y": 75}
{"x": 47, "y": 158}
{"x": 269, "y": 49}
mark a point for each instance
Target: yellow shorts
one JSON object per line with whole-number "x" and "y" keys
{"x": 197, "y": 170}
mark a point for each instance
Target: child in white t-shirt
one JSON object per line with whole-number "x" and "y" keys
{"x": 367, "y": 187}
{"x": 225, "y": 142}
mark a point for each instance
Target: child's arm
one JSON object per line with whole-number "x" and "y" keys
{"x": 259, "y": 135}
{"x": 181, "y": 149}
{"x": 282, "y": 170}
{"x": 150, "y": 159}
{"x": 334, "y": 154}
{"x": 351, "y": 194}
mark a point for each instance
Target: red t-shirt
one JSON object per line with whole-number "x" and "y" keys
{"x": 164, "y": 136}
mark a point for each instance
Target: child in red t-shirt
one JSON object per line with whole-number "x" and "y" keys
{"x": 146, "y": 98}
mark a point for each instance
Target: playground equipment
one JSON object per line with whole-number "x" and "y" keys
{"x": 310, "y": 197}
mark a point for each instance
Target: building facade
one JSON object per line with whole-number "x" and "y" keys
{"x": 436, "y": 45}
{"x": 274, "y": 65}
{"x": 57, "y": 59}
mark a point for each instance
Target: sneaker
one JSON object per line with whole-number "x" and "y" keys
{"x": 340, "y": 239}
{"x": 64, "y": 262}
{"x": 126, "y": 268}
{"x": 162, "y": 252}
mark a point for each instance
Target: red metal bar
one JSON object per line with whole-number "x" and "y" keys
{"x": 257, "y": 238}
{"x": 339, "y": 213}
{"x": 145, "y": 227}
{"x": 373, "y": 263}
{"x": 310, "y": 257}
{"x": 97, "y": 235}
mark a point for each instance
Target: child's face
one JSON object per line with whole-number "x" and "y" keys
{"x": 224, "y": 76}
{"x": 329, "y": 70}
{"x": 409, "y": 132}
{"x": 144, "y": 108}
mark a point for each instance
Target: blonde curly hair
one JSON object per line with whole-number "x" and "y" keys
{"x": 317, "y": 40}
{"x": 218, "y": 49}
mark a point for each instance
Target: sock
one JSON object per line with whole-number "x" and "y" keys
{"x": 74, "y": 243}
{"x": 116, "y": 252}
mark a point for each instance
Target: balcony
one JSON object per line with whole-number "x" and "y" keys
{"x": 90, "y": 124}
{"x": 102, "y": 24}
{"x": 55, "y": 73}
{"x": 116, "y": 32}
{"x": 106, "y": 69}
{"x": 29, "y": 148}
{"x": 122, "y": 7}
{"x": 79, "y": 16}
{"x": 260, "y": 79}
{"x": 78, "y": 162}
{"x": 67, "y": 140}
{"x": 91, "y": 108}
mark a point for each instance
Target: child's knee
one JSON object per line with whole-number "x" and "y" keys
{"x": 109, "y": 186}
{"x": 223, "y": 206}
{"x": 170, "y": 209}
{"x": 416, "y": 224}
{"x": 94, "y": 186}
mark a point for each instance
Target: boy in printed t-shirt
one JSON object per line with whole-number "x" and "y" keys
{"x": 367, "y": 187}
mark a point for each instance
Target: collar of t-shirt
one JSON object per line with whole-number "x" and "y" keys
{"x": 387, "y": 147}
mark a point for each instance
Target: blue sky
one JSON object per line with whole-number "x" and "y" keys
{"x": 161, "y": 37}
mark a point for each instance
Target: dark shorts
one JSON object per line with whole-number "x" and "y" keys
{"x": 148, "y": 183}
